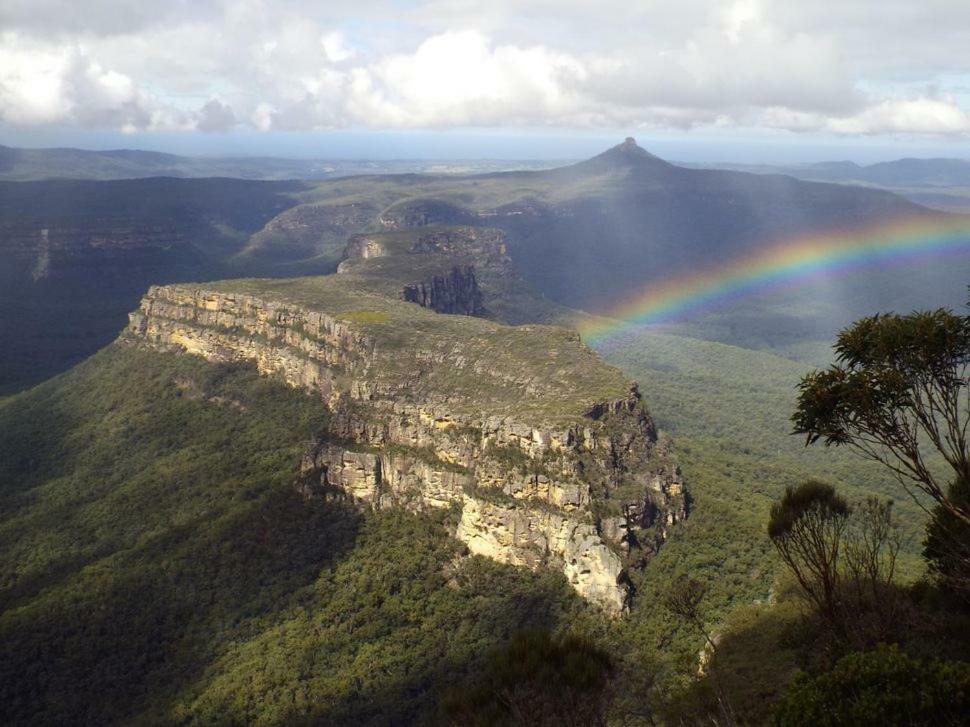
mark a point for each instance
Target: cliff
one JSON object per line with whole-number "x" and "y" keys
{"x": 547, "y": 454}
{"x": 454, "y": 269}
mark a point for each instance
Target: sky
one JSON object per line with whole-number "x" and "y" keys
{"x": 730, "y": 80}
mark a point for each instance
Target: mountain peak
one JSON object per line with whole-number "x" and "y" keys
{"x": 627, "y": 154}
{"x": 630, "y": 148}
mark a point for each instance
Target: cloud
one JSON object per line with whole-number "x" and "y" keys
{"x": 917, "y": 115}
{"x": 42, "y": 84}
{"x": 212, "y": 65}
{"x": 460, "y": 78}
{"x": 215, "y": 116}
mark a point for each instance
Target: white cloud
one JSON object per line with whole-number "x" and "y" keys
{"x": 918, "y": 115}
{"x": 460, "y": 78}
{"x": 292, "y": 64}
{"x": 44, "y": 84}
{"x": 336, "y": 48}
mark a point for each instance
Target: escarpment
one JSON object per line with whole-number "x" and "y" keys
{"x": 457, "y": 269}
{"x": 548, "y": 455}
{"x": 454, "y": 292}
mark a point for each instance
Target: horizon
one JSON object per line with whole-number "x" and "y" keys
{"x": 745, "y": 81}
{"x": 374, "y": 146}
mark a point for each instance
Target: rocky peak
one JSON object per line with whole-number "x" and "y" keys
{"x": 632, "y": 152}
{"x": 630, "y": 144}
{"x": 628, "y": 155}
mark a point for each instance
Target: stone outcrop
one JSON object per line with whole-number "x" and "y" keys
{"x": 540, "y": 476}
{"x": 455, "y": 293}
{"x": 413, "y": 213}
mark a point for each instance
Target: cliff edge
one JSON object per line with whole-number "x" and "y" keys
{"x": 547, "y": 454}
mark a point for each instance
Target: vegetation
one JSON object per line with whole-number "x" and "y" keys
{"x": 159, "y": 567}
{"x": 727, "y": 409}
{"x": 844, "y": 560}
{"x": 540, "y": 374}
{"x": 576, "y": 234}
{"x": 78, "y": 256}
{"x": 947, "y": 544}
{"x": 900, "y": 387}
{"x": 536, "y": 679}
{"x": 879, "y": 688}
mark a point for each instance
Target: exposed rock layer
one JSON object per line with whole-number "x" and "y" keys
{"x": 583, "y": 491}
{"x": 456, "y": 292}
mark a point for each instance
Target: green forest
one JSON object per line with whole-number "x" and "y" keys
{"x": 159, "y": 567}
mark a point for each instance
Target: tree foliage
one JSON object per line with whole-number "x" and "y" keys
{"x": 897, "y": 393}
{"x": 843, "y": 558}
{"x": 880, "y": 688}
{"x": 947, "y": 544}
{"x": 806, "y": 526}
{"x": 536, "y": 679}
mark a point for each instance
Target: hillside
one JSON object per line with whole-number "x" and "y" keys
{"x": 942, "y": 184}
{"x": 727, "y": 410}
{"x": 548, "y": 455}
{"x": 316, "y": 608}
{"x": 78, "y": 255}
{"x": 324, "y": 499}
{"x": 299, "y": 459}
{"x": 20, "y": 165}
{"x": 583, "y": 236}
{"x": 160, "y": 567}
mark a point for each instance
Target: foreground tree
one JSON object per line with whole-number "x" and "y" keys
{"x": 806, "y": 527}
{"x": 843, "y": 558}
{"x": 897, "y": 392}
{"x": 536, "y": 679}
{"x": 684, "y": 599}
{"x": 947, "y": 545}
{"x": 879, "y": 688}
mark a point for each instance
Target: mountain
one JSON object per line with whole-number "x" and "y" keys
{"x": 938, "y": 183}
{"x": 301, "y": 471}
{"x": 899, "y": 173}
{"x": 77, "y": 255}
{"x": 631, "y": 219}
{"x": 18, "y": 165}
{"x": 583, "y": 236}
{"x": 332, "y": 499}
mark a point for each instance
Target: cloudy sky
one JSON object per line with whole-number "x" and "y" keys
{"x": 886, "y": 74}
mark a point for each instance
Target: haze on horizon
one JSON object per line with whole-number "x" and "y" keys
{"x": 748, "y": 80}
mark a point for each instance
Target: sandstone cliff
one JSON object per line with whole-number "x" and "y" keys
{"x": 547, "y": 454}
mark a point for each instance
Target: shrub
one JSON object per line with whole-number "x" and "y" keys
{"x": 883, "y": 687}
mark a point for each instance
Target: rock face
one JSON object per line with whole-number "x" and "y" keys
{"x": 422, "y": 212}
{"x": 551, "y": 460}
{"x": 456, "y": 292}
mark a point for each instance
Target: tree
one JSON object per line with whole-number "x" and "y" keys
{"x": 806, "y": 527}
{"x": 899, "y": 388}
{"x": 947, "y": 544}
{"x": 879, "y": 688}
{"x": 536, "y": 679}
{"x": 843, "y": 558}
{"x": 683, "y": 598}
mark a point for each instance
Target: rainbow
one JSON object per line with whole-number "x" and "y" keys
{"x": 792, "y": 262}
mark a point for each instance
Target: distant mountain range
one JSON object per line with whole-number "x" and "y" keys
{"x": 18, "y": 165}
{"x": 939, "y": 183}
{"x": 78, "y": 254}
{"x": 908, "y": 172}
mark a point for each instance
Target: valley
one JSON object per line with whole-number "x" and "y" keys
{"x": 310, "y": 452}
{"x": 583, "y": 237}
